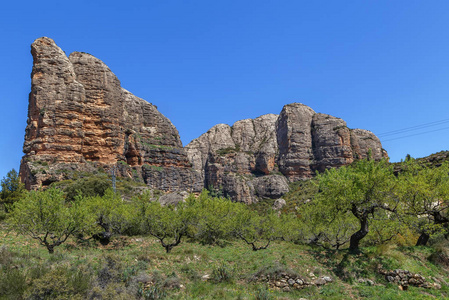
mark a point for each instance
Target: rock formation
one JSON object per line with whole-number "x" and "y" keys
{"x": 255, "y": 159}
{"x": 81, "y": 120}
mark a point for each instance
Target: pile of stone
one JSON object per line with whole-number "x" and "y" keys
{"x": 405, "y": 278}
{"x": 286, "y": 282}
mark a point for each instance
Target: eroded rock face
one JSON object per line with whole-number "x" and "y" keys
{"x": 270, "y": 186}
{"x": 294, "y": 136}
{"x": 365, "y": 143}
{"x": 331, "y": 142}
{"x": 81, "y": 119}
{"x": 255, "y": 158}
{"x": 230, "y": 157}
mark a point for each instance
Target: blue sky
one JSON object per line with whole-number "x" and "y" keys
{"x": 379, "y": 65}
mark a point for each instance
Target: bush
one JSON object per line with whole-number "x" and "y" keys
{"x": 222, "y": 273}
{"x": 12, "y": 283}
{"x": 152, "y": 293}
{"x": 5, "y": 256}
{"x": 172, "y": 282}
{"x": 262, "y": 294}
{"x": 440, "y": 256}
{"x": 60, "y": 283}
{"x": 191, "y": 273}
{"x": 88, "y": 187}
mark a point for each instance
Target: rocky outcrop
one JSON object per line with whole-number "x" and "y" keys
{"x": 255, "y": 158}
{"x": 294, "y": 136}
{"x": 230, "y": 157}
{"x": 331, "y": 142}
{"x": 365, "y": 143}
{"x": 80, "y": 119}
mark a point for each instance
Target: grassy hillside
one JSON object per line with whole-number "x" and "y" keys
{"x": 139, "y": 268}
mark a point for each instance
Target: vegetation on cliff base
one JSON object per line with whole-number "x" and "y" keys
{"x": 12, "y": 190}
{"x": 366, "y": 208}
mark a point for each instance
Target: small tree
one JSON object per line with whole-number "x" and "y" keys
{"x": 325, "y": 229}
{"x": 212, "y": 217}
{"x": 256, "y": 230}
{"x": 108, "y": 214}
{"x": 166, "y": 223}
{"x": 425, "y": 198}
{"x": 12, "y": 189}
{"x": 362, "y": 189}
{"x": 44, "y": 216}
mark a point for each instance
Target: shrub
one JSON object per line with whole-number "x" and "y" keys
{"x": 60, "y": 283}
{"x": 191, "y": 273}
{"x": 222, "y": 273}
{"x": 172, "y": 282}
{"x": 5, "y": 256}
{"x": 12, "y": 283}
{"x": 88, "y": 187}
{"x": 274, "y": 270}
{"x": 262, "y": 294}
{"x": 152, "y": 293}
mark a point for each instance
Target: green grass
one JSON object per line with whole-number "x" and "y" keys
{"x": 121, "y": 270}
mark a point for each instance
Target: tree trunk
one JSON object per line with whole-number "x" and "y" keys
{"x": 437, "y": 219}
{"x": 359, "y": 235}
{"x": 50, "y": 249}
{"x": 423, "y": 239}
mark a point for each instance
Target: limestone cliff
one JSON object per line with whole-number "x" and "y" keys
{"x": 81, "y": 119}
{"x": 255, "y": 159}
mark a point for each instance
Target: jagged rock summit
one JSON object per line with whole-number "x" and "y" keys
{"x": 81, "y": 120}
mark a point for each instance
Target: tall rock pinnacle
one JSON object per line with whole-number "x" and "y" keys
{"x": 81, "y": 119}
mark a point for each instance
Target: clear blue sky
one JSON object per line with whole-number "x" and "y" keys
{"x": 379, "y": 65}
